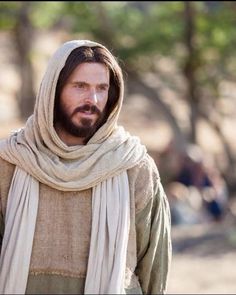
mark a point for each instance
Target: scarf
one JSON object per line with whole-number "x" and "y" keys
{"x": 40, "y": 156}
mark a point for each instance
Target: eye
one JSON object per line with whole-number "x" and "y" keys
{"x": 80, "y": 85}
{"x": 103, "y": 87}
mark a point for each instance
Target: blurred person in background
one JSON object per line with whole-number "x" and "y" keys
{"x": 185, "y": 204}
{"x": 82, "y": 207}
{"x": 212, "y": 189}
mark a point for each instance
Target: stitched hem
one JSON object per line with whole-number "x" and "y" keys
{"x": 36, "y": 272}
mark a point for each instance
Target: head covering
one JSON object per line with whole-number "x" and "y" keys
{"x": 39, "y": 151}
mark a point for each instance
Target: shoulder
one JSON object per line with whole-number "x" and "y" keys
{"x": 145, "y": 169}
{"x": 149, "y": 164}
{"x": 144, "y": 179}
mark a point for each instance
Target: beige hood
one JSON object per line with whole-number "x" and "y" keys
{"x": 38, "y": 150}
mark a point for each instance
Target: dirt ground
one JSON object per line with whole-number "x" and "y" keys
{"x": 204, "y": 259}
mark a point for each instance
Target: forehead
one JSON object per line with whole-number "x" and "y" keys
{"x": 89, "y": 71}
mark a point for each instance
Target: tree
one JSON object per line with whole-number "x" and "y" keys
{"x": 23, "y": 39}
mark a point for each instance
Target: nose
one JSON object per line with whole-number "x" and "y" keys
{"x": 92, "y": 97}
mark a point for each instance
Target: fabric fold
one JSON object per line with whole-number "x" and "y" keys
{"x": 109, "y": 237}
{"x": 20, "y": 223}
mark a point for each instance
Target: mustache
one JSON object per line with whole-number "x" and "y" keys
{"x": 86, "y": 108}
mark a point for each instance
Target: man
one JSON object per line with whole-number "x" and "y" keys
{"x": 82, "y": 206}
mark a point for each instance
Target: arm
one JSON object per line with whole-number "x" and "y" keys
{"x": 154, "y": 248}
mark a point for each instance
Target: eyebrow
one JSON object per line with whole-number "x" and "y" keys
{"x": 85, "y": 83}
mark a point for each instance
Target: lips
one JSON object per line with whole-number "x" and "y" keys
{"x": 87, "y": 112}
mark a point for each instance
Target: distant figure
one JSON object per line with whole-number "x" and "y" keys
{"x": 212, "y": 188}
{"x": 185, "y": 204}
{"x": 82, "y": 206}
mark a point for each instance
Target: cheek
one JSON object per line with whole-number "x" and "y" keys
{"x": 102, "y": 101}
{"x": 67, "y": 101}
{"x": 65, "y": 107}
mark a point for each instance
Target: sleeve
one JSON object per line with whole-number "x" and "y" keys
{"x": 154, "y": 248}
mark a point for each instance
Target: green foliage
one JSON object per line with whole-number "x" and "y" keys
{"x": 8, "y": 11}
{"x": 215, "y": 43}
{"x": 46, "y": 14}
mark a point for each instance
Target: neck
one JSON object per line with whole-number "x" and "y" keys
{"x": 68, "y": 139}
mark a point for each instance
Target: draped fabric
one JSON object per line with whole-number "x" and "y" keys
{"x": 108, "y": 246}
{"x": 19, "y": 232}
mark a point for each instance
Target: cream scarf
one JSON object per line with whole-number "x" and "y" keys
{"x": 40, "y": 156}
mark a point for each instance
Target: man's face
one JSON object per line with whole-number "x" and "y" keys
{"x": 83, "y": 100}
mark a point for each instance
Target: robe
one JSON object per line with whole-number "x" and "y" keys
{"x": 62, "y": 235}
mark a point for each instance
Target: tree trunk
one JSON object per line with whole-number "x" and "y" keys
{"x": 23, "y": 33}
{"x": 190, "y": 67}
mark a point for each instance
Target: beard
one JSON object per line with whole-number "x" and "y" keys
{"x": 86, "y": 129}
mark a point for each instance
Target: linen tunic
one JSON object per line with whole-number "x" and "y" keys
{"x": 62, "y": 235}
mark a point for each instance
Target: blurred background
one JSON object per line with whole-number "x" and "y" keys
{"x": 179, "y": 63}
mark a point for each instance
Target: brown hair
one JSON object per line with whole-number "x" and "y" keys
{"x": 91, "y": 54}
